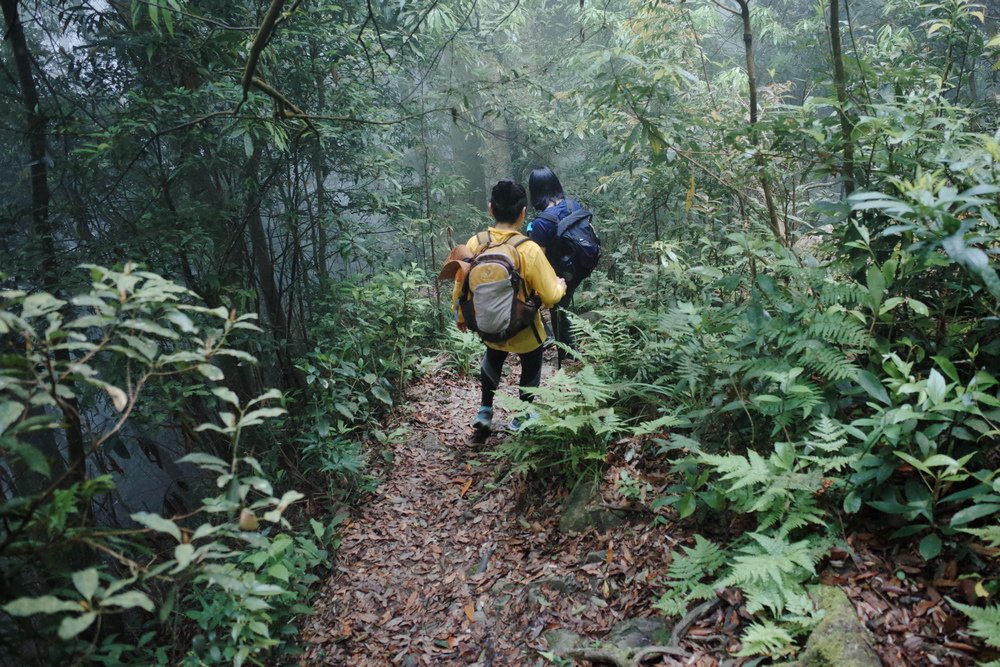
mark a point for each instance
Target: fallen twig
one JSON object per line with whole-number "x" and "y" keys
{"x": 682, "y": 626}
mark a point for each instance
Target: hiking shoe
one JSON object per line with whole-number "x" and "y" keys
{"x": 484, "y": 420}
{"x": 517, "y": 423}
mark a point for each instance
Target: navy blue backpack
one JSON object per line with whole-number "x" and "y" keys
{"x": 578, "y": 248}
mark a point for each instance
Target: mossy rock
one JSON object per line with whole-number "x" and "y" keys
{"x": 840, "y": 639}
{"x": 561, "y": 641}
{"x": 583, "y": 509}
{"x": 640, "y": 632}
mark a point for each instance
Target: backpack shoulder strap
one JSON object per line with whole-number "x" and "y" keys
{"x": 483, "y": 238}
{"x": 516, "y": 240}
{"x": 548, "y": 215}
{"x": 572, "y": 219}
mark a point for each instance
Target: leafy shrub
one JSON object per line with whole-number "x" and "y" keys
{"x": 369, "y": 335}
{"x": 464, "y": 350}
{"x": 568, "y": 427}
{"x": 134, "y": 595}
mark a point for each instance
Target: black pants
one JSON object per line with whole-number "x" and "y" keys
{"x": 492, "y": 368}
{"x": 560, "y": 323}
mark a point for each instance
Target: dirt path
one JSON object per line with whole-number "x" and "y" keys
{"x": 451, "y": 562}
{"x": 452, "y": 565}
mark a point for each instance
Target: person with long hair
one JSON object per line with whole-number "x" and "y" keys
{"x": 546, "y": 194}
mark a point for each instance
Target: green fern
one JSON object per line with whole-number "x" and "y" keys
{"x": 836, "y": 326}
{"x": 829, "y": 362}
{"x": 570, "y": 425}
{"x": 838, "y": 291}
{"x": 985, "y": 621}
{"x": 771, "y": 571}
{"x": 687, "y": 574}
{"x": 766, "y": 638}
{"x": 990, "y": 534}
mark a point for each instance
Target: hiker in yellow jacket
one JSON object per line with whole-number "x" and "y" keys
{"x": 508, "y": 205}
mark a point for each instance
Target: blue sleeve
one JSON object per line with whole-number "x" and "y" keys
{"x": 541, "y": 231}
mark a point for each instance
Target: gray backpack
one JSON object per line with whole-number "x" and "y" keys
{"x": 495, "y": 301}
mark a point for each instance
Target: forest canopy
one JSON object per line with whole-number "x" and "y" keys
{"x": 220, "y": 224}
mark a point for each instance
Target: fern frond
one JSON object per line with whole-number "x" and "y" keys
{"x": 985, "y": 621}
{"x": 841, "y": 292}
{"x": 746, "y": 471}
{"x": 990, "y": 534}
{"x": 836, "y": 326}
{"x": 829, "y": 362}
{"x": 697, "y": 562}
{"x": 765, "y": 638}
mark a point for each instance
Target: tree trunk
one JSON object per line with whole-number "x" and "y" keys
{"x": 263, "y": 268}
{"x": 765, "y": 183}
{"x": 36, "y": 128}
{"x": 41, "y": 224}
{"x": 840, "y": 83}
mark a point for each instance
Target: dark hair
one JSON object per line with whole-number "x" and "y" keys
{"x": 545, "y": 188}
{"x": 508, "y": 199}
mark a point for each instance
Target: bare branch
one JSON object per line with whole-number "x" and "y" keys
{"x": 259, "y": 42}
{"x": 728, "y": 9}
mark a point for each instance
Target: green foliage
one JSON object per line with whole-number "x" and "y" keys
{"x": 985, "y": 621}
{"x": 766, "y": 638}
{"x": 113, "y": 595}
{"x": 569, "y": 426}
{"x": 692, "y": 575}
{"x": 464, "y": 350}
{"x": 369, "y": 338}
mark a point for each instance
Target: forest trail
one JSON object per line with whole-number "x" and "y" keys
{"x": 443, "y": 567}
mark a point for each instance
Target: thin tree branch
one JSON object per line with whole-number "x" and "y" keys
{"x": 259, "y": 42}
{"x": 728, "y": 9}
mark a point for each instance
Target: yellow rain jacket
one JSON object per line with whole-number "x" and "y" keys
{"x": 538, "y": 276}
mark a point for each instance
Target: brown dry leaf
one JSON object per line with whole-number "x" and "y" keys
{"x": 402, "y": 570}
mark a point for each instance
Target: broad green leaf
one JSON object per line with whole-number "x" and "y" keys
{"x": 129, "y": 600}
{"x": 40, "y": 303}
{"x": 944, "y": 363}
{"x": 919, "y": 307}
{"x": 379, "y": 392}
{"x": 33, "y": 458}
{"x": 930, "y": 546}
{"x": 941, "y": 461}
{"x": 687, "y": 506}
{"x": 71, "y": 626}
{"x": 890, "y": 304}
{"x": 86, "y": 582}
{"x": 876, "y": 286}
{"x": 270, "y": 394}
{"x": 181, "y": 321}
{"x": 852, "y": 503}
{"x": 211, "y": 372}
{"x": 201, "y": 459}
{"x": 972, "y": 513}
{"x": 183, "y": 554}
{"x": 936, "y": 387}
{"x": 913, "y": 461}
{"x": 871, "y": 384}
{"x": 158, "y": 523}
{"x": 45, "y": 604}
{"x": 153, "y": 328}
{"x": 227, "y": 395}
{"x": 258, "y": 416}
{"x": 10, "y": 412}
